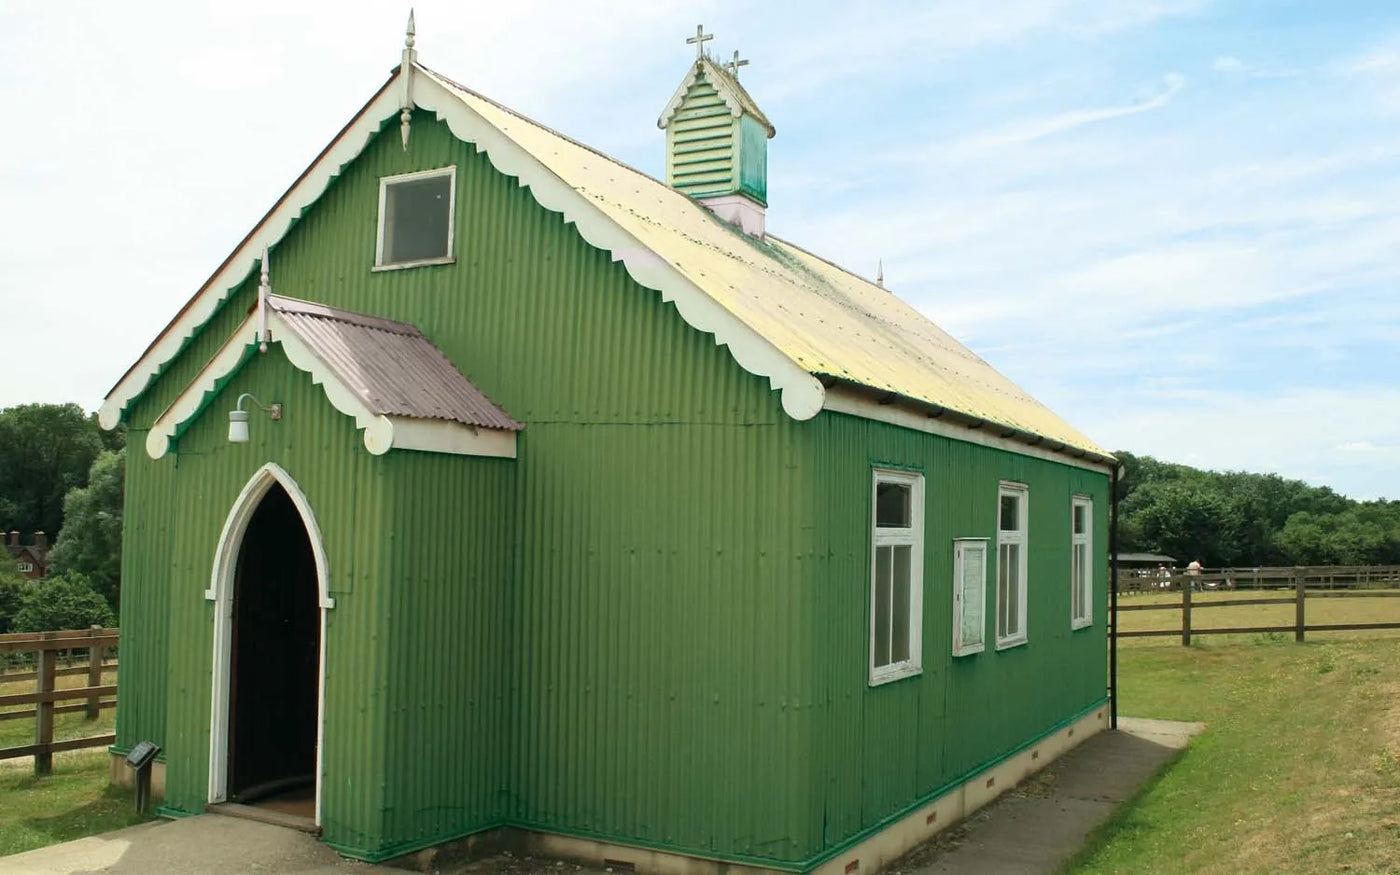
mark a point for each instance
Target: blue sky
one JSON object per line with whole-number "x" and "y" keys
{"x": 1177, "y": 222}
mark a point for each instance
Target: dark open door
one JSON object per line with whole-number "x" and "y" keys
{"x": 275, "y": 656}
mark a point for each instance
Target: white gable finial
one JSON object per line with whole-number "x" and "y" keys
{"x": 264, "y": 289}
{"x": 410, "y": 57}
{"x": 880, "y": 273}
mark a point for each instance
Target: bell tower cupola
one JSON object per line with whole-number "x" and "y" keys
{"x": 717, "y": 140}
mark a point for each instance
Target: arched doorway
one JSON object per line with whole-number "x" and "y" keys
{"x": 274, "y": 660}
{"x": 269, "y": 586}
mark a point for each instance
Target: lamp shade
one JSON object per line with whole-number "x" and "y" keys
{"x": 238, "y": 426}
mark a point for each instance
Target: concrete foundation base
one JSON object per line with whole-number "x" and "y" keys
{"x": 870, "y": 855}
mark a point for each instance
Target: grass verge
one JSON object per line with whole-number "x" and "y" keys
{"x": 1298, "y": 769}
{"x": 72, "y": 802}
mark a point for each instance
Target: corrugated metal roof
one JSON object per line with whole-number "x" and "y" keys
{"x": 825, "y": 319}
{"x": 390, "y": 366}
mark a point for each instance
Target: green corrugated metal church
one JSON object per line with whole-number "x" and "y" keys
{"x": 491, "y": 487}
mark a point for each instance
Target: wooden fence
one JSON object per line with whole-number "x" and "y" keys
{"x": 1302, "y": 584}
{"x": 47, "y": 646}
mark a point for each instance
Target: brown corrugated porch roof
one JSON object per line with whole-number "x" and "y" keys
{"x": 390, "y": 366}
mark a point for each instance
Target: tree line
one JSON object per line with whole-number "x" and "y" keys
{"x": 63, "y": 475}
{"x": 1238, "y": 519}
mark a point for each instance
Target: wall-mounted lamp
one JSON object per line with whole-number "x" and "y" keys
{"x": 238, "y": 417}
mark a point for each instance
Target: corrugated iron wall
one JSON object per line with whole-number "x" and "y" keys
{"x": 880, "y": 749}
{"x": 649, "y": 628}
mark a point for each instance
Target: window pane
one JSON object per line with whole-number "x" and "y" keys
{"x": 416, "y": 219}
{"x": 1079, "y": 522}
{"x": 892, "y": 505}
{"x": 1013, "y": 589}
{"x": 1076, "y": 557}
{"x": 884, "y": 562}
{"x": 1010, "y": 513}
{"x": 899, "y": 621}
{"x": 1003, "y": 563}
{"x": 973, "y": 589}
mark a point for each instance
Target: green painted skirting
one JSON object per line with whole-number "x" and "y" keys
{"x": 175, "y": 813}
{"x": 760, "y": 862}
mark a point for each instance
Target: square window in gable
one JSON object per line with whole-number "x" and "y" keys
{"x": 415, "y": 218}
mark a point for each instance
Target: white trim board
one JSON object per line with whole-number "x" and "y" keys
{"x": 802, "y": 393}
{"x": 220, "y": 592}
{"x": 274, "y": 226}
{"x": 382, "y": 433}
{"x": 841, "y": 400}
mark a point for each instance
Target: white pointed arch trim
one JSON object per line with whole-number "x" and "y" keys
{"x": 220, "y": 592}
{"x": 231, "y": 538}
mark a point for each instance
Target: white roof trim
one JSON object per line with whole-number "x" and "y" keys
{"x": 382, "y": 433}
{"x": 841, "y": 400}
{"x": 202, "y": 307}
{"x": 731, "y": 98}
{"x": 802, "y": 393}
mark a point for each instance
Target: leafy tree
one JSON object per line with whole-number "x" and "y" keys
{"x": 91, "y": 543}
{"x": 62, "y": 603}
{"x": 45, "y": 450}
{"x": 12, "y": 591}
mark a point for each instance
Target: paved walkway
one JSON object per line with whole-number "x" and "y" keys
{"x": 1038, "y": 825}
{"x": 1032, "y": 829}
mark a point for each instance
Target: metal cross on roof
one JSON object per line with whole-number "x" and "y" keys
{"x": 734, "y": 65}
{"x": 699, "y": 40}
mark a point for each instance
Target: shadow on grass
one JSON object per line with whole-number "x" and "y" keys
{"x": 114, "y": 808}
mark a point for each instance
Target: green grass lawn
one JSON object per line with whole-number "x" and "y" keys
{"x": 1298, "y": 770}
{"x": 72, "y": 802}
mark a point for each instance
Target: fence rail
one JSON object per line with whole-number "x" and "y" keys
{"x": 46, "y": 646}
{"x": 1305, "y": 584}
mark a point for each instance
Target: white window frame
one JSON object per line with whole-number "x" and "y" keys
{"x": 913, "y": 537}
{"x": 1084, "y": 584}
{"x": 26, "y": 567}
{"x": 961, "y": 548}
{"x": 1021, "y": 536}
{"x": 384, "y": 183}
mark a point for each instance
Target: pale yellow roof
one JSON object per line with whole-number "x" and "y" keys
{"x": 825, "y": 319}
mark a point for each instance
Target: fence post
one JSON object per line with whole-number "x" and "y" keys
{"x": 94, "y": 705}
{"x": 1299, "y": 584}
{"x": 1185, "y": 609}
{"x": 43, "y": 711}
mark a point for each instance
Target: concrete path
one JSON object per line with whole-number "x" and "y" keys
{"x": 1032, "y": 829}
{"x": 1039, "y": 824}
{"x": 207, "y": 845}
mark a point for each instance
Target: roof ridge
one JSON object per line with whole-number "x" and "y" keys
{"x": 544, "y": 127}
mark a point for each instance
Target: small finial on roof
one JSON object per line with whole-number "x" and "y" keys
{"x": 880, "y": 274}
{"x": 734, "y": 65}
{"x": 699, "y": 40}
{"x": 410, "y": 57}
